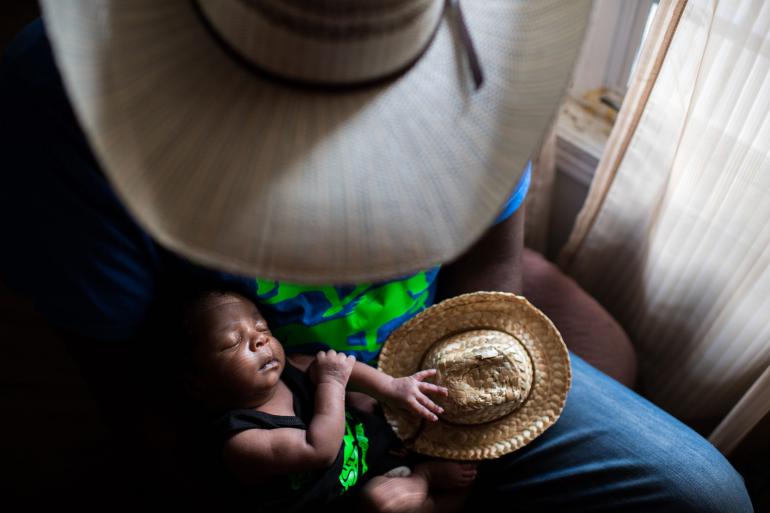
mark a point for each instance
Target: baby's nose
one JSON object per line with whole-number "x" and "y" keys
{"x": 259, "y": 339}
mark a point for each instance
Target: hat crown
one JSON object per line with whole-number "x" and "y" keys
{"x": 329, "y": 42}
{"x": 488, "y": 374}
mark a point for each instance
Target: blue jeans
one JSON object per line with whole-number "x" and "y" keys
{"x": 612, "y": 450}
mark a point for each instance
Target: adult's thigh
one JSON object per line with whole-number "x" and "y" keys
{"x": 612, "y": 450}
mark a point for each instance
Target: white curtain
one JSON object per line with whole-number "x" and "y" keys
{"x": 674, "y": 238}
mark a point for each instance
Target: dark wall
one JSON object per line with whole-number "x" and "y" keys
{"x": 14, "y": 14}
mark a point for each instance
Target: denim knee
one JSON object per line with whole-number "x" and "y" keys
{"x": 666, "y": 466}
{"x": 612, "y": 450}
{"x": 702, "y": 481}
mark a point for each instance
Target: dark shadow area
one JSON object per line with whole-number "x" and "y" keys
{"x": 83, "y": 421}
{"x": 752, "y": 459}
{"x": 16, "y": 14}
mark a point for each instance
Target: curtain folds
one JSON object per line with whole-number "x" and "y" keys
{"x": 674, "y": 238}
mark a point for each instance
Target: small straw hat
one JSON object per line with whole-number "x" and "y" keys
{"x": 504, "y": 363}
{"x": 335, "y": 141}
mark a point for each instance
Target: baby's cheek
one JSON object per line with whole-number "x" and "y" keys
{"x": 226, "y": 370}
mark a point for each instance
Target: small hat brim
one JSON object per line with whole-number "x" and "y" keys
{"x": 404, "y": 350}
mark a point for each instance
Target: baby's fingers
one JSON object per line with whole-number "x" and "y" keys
{"x": 465, "y": 481}
{"x": 421, "y": 410}
{"x": 421, "y": 375}
{"x": 430, "y": 388}
{"x": 468, "y": 473}
{"x": 433, "y": 407}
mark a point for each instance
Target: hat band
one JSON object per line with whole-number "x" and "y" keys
{"x": 325, "y": 22}
{"x": 356, "y": 56}
{"x": 467, "y": 42}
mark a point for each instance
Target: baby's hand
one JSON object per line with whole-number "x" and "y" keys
{"x": 408, "y": 393}
{"x": 331, "y": 367}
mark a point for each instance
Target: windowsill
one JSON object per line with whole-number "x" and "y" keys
{"x": 582, "y": 130}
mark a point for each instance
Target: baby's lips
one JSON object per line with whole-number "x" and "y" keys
{"x": 269, "y": 358}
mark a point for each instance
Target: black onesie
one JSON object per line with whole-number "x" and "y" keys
{"x": 365, "y": 451}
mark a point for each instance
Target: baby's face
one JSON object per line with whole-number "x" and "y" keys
{"x": 237, "y": 354}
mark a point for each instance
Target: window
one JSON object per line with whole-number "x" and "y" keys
{"x": 612, "y": 45}
{"x": 600, "y": 79}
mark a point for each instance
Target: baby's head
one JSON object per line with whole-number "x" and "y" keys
{"x": 235, "y": 360}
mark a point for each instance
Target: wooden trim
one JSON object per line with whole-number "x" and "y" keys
{"x": 610, "y": 46}
{"x": 650, "y": 61}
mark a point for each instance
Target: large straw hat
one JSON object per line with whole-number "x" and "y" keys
{"x": 333, "y": 141}
{"x": 504, "y": 363}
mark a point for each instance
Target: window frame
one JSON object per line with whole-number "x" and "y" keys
{"x": 611, "y": 45}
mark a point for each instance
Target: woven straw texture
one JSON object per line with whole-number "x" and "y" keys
{"x": 246, "y": 174}
{"x": 504, "y": 363}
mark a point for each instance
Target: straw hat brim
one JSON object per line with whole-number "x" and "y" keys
{"x": 404, "y": 350}
{"x": 248, "y": 175}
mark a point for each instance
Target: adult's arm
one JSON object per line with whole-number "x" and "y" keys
{"x": 73, "y": 248}
{"x": 493, "y": 263}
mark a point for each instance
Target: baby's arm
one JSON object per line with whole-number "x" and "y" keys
{"x": 408, "y": 393}
{"x": 255, "y": 454}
